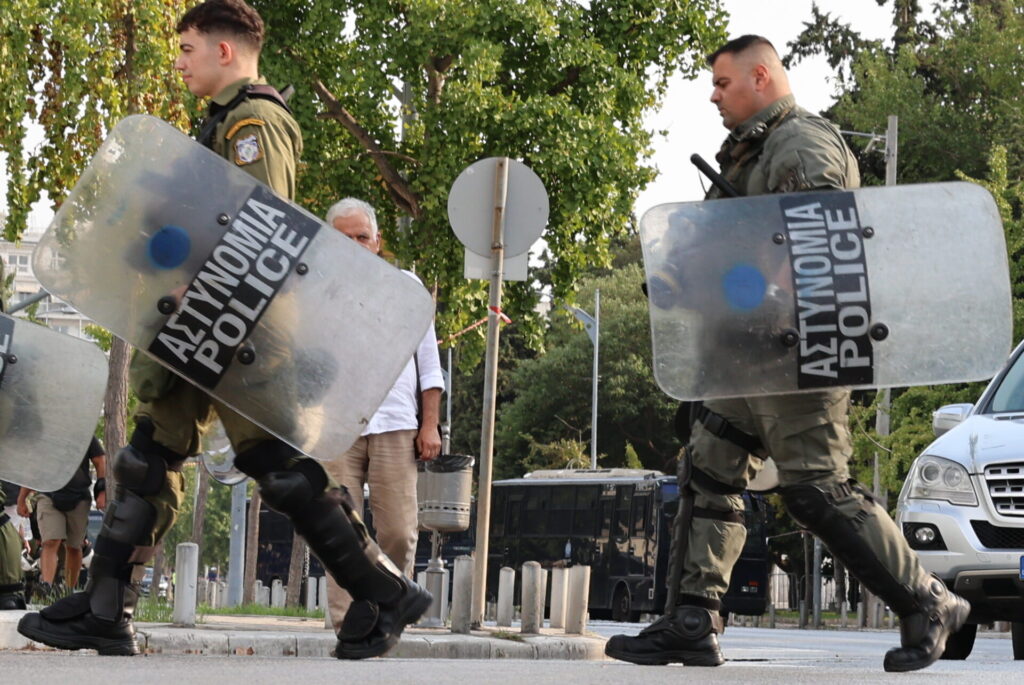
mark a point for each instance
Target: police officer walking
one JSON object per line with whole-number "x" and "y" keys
{"x": 774, "y": 146}
{"x": 250, "y": 125}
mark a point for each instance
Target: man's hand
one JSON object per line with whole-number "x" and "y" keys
{"x": 101, "y": 501}
{"x": 428, "y": 443}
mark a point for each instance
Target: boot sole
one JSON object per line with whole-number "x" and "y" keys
{"x": 963, "y": 611}
{"x": 665, "y": 658}
{"x": 416, "y": 608}
{"x": 104, "y": 647}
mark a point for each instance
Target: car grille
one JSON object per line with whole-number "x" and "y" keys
{"x": 1005, "y": 484}
{"x": 998, "y": 537}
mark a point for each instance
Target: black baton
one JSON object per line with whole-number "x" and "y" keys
{"x": 716, "y": 178}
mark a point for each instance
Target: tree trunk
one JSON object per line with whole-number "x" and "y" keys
{"x": 252, "y": 538}
{"x": 158, "y": 573}
{"x": 115, "y": 404}
{"x": 296, "y": 571}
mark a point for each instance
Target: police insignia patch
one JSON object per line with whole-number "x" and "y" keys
{"x": 248, "y": 150}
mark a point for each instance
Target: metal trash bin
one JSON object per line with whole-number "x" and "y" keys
{"x": 444, "y": 490}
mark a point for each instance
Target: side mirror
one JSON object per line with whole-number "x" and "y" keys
{"x": 945, "y": 418}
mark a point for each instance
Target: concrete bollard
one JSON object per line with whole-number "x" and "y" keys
{"x": 321, "y": 592}
{"x": 843, "y": 614}
{"x": 311, "y": 593}
{"x": 543, "y": 595}
{"x": 435, "y": 580}
{"x": 462, "y": 595}
{"x": 185, "y": 568}
{"x": 214, "y": 596}
{"x": 532, "y": 601}
{"x": 506, "y": 595}
{"x": 559, "y": 593}
{"x": 277, "y": 594}
{"x": 771, "y": 615}
{"x": 264, "y": 597}
{"x": 579, "y": 600}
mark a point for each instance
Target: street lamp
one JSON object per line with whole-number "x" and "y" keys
{"x": 592, "y": 324}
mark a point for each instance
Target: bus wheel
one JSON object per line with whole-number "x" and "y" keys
{"x": 622, "y": 605}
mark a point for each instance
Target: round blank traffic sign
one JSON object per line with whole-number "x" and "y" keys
{"x": 471, "y": 207}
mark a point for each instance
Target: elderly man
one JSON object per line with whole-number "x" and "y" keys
{"x": 403, "y": 428}
{"x": 774, "y": 146}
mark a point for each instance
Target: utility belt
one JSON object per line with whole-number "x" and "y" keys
{"x": 719, "y": 426}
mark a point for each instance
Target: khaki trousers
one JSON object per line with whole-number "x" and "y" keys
{"x": 387, "y": 463}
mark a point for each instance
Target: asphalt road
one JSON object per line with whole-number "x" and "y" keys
{"x": 755, "y": 655}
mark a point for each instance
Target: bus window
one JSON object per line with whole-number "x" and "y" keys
{"x": 640, "y": 509}
{"x": 623, "y": 499}
{"x": 498, "y": 514}
{"x": 534, "y": 518}
{"x": 606, "y": 519}
{"x": 560, "y": 514}
{"x": 585, "y": 517}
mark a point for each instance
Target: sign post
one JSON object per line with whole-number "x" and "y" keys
{"x": 516, "y": 209}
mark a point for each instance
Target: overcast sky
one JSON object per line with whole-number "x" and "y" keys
{"x": 692, "y": 122}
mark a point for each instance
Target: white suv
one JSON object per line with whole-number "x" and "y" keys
{"x": 962, "y": 506}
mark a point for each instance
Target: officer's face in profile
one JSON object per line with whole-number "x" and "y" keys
{"x": 200, "y": 62}
{"x": 356, "y": 225}
{"x": 735, "y": 88}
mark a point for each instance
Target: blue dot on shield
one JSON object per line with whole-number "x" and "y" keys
{"x": 744, "y": 287}
{"x": 169, "y": 247}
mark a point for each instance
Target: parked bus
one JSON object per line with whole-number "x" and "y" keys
{"x": 617, "y": 521}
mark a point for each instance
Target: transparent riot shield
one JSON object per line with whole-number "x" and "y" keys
{"x": 240, "y": 292}
{"x": 876, "y": 287}
{"x": 51, "y": 394}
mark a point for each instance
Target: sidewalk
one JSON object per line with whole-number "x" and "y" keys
{"x": 304, "y": 637}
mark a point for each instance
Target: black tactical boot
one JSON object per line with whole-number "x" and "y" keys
{"x": 688, "y": 635}
{"x": 923, "y": 633}
{"x": 384, "y": 601}
{"x": 100, "y": 617}
{"x": 72, "y": 624}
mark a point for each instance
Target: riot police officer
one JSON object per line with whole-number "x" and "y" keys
{"x": 250, "y": 125}
{"x": 774, "y": 146}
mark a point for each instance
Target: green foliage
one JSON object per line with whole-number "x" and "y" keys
{"x": 260, "y": 610}
{"x": 559, "y": 84}
{"x": 72, "y": 69}
{"x": 551, "y": 403}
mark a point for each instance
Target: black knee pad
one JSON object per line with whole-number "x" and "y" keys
{"x": 140, "y": 472}
{"x": 128, "y": 523}
{"x": 809, "y": 505}
{"x": 291, "y": 491}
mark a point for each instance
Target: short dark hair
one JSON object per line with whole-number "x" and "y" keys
{"x": 738, "y": 45}
{"x": 233, "y": 17}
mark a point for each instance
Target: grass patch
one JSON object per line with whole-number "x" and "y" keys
{"x": 150, "y": 610}
{"x": 507, "y": 635}
{"x": 260, "y": 610}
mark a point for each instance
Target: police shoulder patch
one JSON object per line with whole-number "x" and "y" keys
{"x": 248, "y": 150}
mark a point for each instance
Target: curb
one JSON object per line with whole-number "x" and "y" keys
{"x": 416, "y": 643}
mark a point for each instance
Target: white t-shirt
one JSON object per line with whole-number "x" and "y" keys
{"x": 398, "y": 410}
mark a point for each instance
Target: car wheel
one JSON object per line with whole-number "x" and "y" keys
{"x": 960, "y": 643}
{"x": 622, "y": 605}
{"x": 1017, "y": 636}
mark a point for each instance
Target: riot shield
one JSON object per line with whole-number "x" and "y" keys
{"x": 51, "y": 394}
{"x": 876, "y": 287}
{"x": 240, "y": 292}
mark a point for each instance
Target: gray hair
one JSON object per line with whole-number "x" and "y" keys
{"x": 348, "y": 205}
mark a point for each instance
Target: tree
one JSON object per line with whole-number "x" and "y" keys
{"x": 559, "y": 84}
{"x": 552, "y": 393}
{"x": 70, "y": 70}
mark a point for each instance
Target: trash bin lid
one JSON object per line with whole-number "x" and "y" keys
{"x": 449, "y": 463}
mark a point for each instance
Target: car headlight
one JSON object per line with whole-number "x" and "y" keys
{"x": 942, "y": 479}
